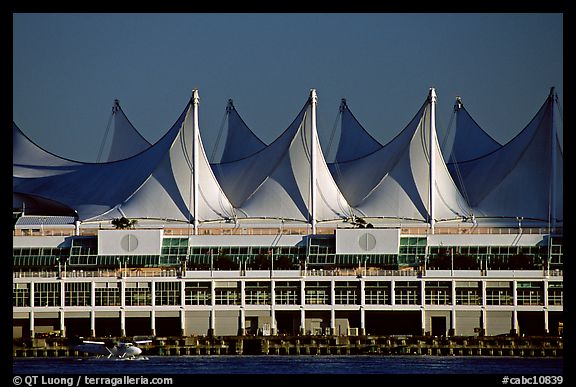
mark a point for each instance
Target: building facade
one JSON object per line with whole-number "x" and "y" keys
{"x": 344, "y": 282}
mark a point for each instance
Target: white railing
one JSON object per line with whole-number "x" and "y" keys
{"x": 182, "y": 231}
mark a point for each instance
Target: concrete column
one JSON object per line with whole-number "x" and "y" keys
{"x": 122, "y": 294}
{"x": 514, "y": 330}
{"x": 153, "y": 322}
{"x": 212, "y": 328}
{"x": 302, "y": 303}
{"x": 62, "y": 294}
{"x": 392, "y": 292}
{"x": 302, "y": 292}
{"x": 62, "y": 324}
{"x": 483, "y": 318}
{"x": 32, "y": 291}
{"x": 272, "y": 308}
{"x": 423, "y": 320}
{"x": 452, "y": 331}
{"x": 332, "y": 321}
{"x": 242, "y": 293}
{"x": 122, "y": 322}
{"x": 242, "y": 330}
{"x": 182, "y": 305}
{"x": 92, "y": 294}
{"x": 182, "y": 293}
{"x": 332, "y": 292}
{"x": 182, "y": 322}
{"x": 422, "y": 292}
{"x": 93, "y": 323}
{"x": 92, "y": 312}
{"x": 545, "y": 295}
{"x": 212, "y": 312}
{"x": 362, "y": 321}
{"x": 153, "y": 292}
{"x": 31, "y": 320}
{"x": 362, "y": 292}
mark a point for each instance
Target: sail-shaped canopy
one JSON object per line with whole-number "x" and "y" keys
{"x": 394, "y": 182}
{"x": 275, "y": 182}
{"x": 470, "y": 140}
{"x": 153, "y": 184}
{"x": 523, "y": 178}
{"x": 355, "y": 141}
{"x": 240, "y": 140}
{"x": 126, "y": 139}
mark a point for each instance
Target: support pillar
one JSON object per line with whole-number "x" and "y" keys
{"x": 514, "y": 329}
{"x": 212, "y": 328}
{"x": 195, "y": 167}
{"x": 122, "y": 322}
{"x": 93, "y": 323}
{"x": 392, "y": 292}
{"x": 332, "y": 321}
{"x": 31, "y": 319}
{"x": 273, "y": 330}
{"x": 242, "y": 329}
{"x": 31, "y": 316}
{"x": 452, "y": 331}
{"x": 362, "y": 321}
{"x": 423, "y": 320}
{"x": 545, "y": 295}
{"x": 182, "y": 322}
{"x": 153, "y": 322}
{"x": 62, "y": 324}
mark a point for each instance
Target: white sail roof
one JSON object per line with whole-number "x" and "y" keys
{"x": 355, "y": 141}
{"x": 469, "y": 141}
{"x": 275, "y": 182}
{"x": 126, "y": 140}
{"x": 240, "y": 140}
{"x": 523, "y": 178}
{"x": 393, "y": 182}
{"x": 155, "y": 183}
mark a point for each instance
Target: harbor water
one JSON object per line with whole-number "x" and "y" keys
{"x": 230, "y": 364}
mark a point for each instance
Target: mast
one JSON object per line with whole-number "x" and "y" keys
{"x": 432, "y": 154}
{"x": 195, "y": 134}
{"x": 553, "y": 98}
{"x": 313, "y": 141}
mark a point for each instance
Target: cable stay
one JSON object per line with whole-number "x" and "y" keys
{"x": 104, "y": 140}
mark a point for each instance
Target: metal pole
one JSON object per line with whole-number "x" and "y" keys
{"x": 195, "y": 133}
{"x": 314, "y": 99}
{"x": 432, "y": 155}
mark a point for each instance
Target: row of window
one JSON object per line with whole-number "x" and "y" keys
{"x": 287, "y": 292}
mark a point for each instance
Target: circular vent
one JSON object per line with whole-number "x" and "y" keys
{"x": 367, "y": 242}
{"x": 129, "y": 242}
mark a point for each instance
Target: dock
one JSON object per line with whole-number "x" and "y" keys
{"x": 545, "y": 346}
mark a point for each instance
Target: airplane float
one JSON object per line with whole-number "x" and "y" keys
{"x": 122, "y": 350}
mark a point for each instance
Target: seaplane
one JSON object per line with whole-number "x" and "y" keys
{"x": 120, "y": 351}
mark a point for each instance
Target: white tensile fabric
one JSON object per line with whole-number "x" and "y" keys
{"x": 152, "y": 184}
{"x": 240, "y": 140}
{"x": 522, "y": 179}
{"x": 275, "y": 182}
{"x": 516, "y": 180}
{"x": 469, "y": 142}
{"x": 393, "y": 182}
{"x": 126, "y": 140}
{"x": 355, "y": 141}
{"x": 168, "y": 191}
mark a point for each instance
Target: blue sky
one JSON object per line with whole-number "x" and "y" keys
{"x": 68, "y": 68}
